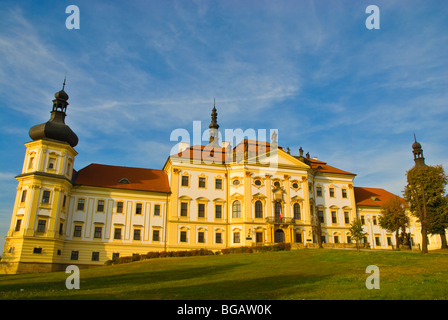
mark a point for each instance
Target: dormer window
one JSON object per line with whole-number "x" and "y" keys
{"x": 124, "y": 180}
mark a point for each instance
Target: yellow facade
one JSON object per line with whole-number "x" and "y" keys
{"x": 60, "y": 219}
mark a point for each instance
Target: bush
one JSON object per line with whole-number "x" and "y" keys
{"x": 198, "y": 252}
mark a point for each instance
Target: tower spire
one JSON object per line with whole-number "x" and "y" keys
{"x": 418, "y": 153}
{"x": 214, "y": 126}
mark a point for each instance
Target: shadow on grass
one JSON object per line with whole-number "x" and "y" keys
{"x": 273, "y": 287}
{"x": 121, "y": 286}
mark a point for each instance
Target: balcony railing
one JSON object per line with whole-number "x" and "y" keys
{"x": 278, "y": 220}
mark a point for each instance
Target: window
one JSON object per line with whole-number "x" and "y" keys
{"x": 124, "y": 180}
{"x": 236, "y": 237}
{"x": 183, "y": 209}
{"x": 41, "y": 225}
{"x": 346, "y": 217}
{"x": 64, "y": 201}
{"x": 155, "y": 235}
{"x": 278, "y": 210}
{"x": 100, "y": 206}
{"x": 201, "y": 210}
{"x": 23, "y": 198}
{"x": 349, "y": 239}
{"x": 374, "y": 220}
{"x": 320, "y": 214}
{"x": 336, "y": 239}
{"x": 319, "y": 191}
{"x": 46, "y": 196}
{"x": 157, "y": 209}
{"x": 31, "y": 163}
{"x": 258, "y": 237}
{"x": 185, "y": 181}
{"x": 74, "y": 255}
{"x": 98, "y": 232}
{"x": 332, "y": 192}
{"x": 61, "y": 228}
{"x": 115, "y": 255}
{"x": 95, "y": 256}
{"x": 218, "y": 211}
{"x": 52, "y": 163}
{"x": 218, "y": 184}
{"x": 296, "y": 209}
{"x": 201, "y": 182}
{"x": 117, "y": 233}
{"x": 363, "y": 220}
{"x": 137, "y": 233}
{"x": 69, "y": 167}
{"x": 299, "y": 237}
{"x": 257, "y": 182}
{"x": 120, "y": 207}
{"x": 77, "y": 232}
{"x": 138, "y": 208}
{"x": 295, "y": 185}
{"x": 277, "y": 184}
{"x": 37, "y": 250}
{"x": 201, "y": 237}
{"x": 344, "y": 193}
{"x": 18, "y": 224}
{"x": 236, "y": 182}
{"x": 183, "y": 236}
{"x": 377, "y": 241}
{"x": 236, "y": 209}
{"x": 258, "y": 209}
{"x": 218, "y": 237}
{"x": 334, "y": 218}
{"x": 81, "y": 203}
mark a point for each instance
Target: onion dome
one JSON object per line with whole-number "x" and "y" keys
{"x": 418, "y": 153}
{"x": 55, "y": 128}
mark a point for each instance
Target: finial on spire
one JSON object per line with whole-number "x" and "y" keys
{"x": 63, "y": 85}
{"x": 415, "y": 139}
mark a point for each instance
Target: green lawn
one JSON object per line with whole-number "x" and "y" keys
{"x": 298, "y": 274}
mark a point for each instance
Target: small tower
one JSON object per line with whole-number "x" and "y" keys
{"x": 214, "y": 126}
{"x": 418, "y": 153}
{"x": 35, "y": 239}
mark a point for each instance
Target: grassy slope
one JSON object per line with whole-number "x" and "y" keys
{"x": 301, "y": 274}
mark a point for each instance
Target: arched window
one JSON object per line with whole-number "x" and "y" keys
{"x": 258, "y": 209}
{"x": 296, "y": 209}
{"x": 236, "y": 209}
{"x": 278, "y": 210}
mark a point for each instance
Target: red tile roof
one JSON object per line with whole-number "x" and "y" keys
{"x": 373, "y": 197}
{"x": 106, "y": 176}
{"x": 324, "y": 167}
{"x": 218, "y": 154}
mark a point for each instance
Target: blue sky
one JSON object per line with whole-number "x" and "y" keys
{"x": 137, "y": 70}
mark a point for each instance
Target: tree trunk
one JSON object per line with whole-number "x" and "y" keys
{"x": 421, "y": 208}
{"x": 397, "y": 239}
{"x": 443, "y": 240}
{"x": 424, "y": 223}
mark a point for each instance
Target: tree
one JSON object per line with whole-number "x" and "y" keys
{"x": 425, "y": 194}
{"x": 393, "y": 217}
{"x": 438, "y": 220}
{"x": 356, "y": 231}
